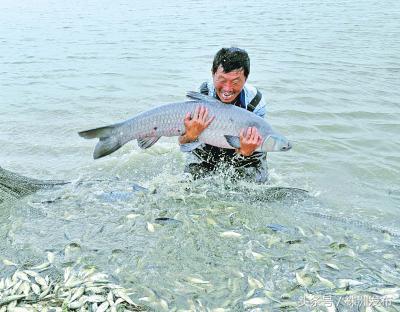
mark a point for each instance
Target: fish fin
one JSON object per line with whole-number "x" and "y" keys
{"x": 198, "y": 96}
{"x": 188, "y": 147}
{"x": 233, "y": 140}
{"x": 147, "y": 142}
{"x": 137, "y": 188}
{"x": 108, "y": 140}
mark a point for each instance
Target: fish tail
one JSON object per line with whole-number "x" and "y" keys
{"x": 97, "y": 133}
{"x": 108, "y": 140}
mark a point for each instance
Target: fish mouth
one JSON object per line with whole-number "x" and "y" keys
{"x": 287, "y": 147}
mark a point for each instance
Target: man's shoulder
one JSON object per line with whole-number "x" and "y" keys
{"x": 254, "y": 100}
{"x": 250, "y": 92}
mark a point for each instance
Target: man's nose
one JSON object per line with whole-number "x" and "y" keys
{"x": 227, "y": 87}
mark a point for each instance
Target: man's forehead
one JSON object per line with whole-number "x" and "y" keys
{"x": 233, "y": 73}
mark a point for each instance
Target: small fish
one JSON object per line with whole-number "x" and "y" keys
{"x": 132, "y": 216}
{"x": 326, "y": 282}
{"x": 67, "y": 273}
{"x": 22, "y": 276}
{"x": 254, "y": 283}
{"x": 165, "y": 220}
{"x": 278, "y": 228}
{"x": 50, "y": 257}
{"x": 230, "y": 234}
{"x": 78, "y": 304}
{"x": 195, "y": 280}
{"x": 121, "y": 294}
{"x": 9, "y": 299}
{"x": 41, "y": 281}
{"x": 211, "y": 221}
{"x": 346, "y": 283}
{"x": 150, "y": 227}
{"x": 137, "y": 188}
{"x": 42, "y": 266}
{"x": 20, "y": 309}
{"x": 45, "y": 292}
{"x": 254, "y": 255}
{"x": 96, "y": 298}
{"x": 332, "y": 266}
{"x": 256, "y": 301}
{"x": 16, "y": 286}
{"x": 163, "y": 305}
{"x": 25, "y": 288}
{"x": 31, "y": 273}
{"x": 303, "y": 279}
{"x": 103, "y": 307}
{"x": 9, "y": 263}
{"x": 118, "y": 301}
{"x": 11, "y": 306}
{"x": 77, "y": 294}
{"x": 36, "y": 289}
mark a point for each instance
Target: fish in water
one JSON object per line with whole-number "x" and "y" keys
{"x": 168, "y": 120}
{"x": 166, "y": 220}
{"x": 14, "y": 186}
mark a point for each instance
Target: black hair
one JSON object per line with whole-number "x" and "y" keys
{"x": 232, "y": 59}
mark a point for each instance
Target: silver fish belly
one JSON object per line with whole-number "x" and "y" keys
{"x": 168, "y": 120}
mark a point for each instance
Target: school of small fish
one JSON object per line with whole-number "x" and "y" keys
{"x": 84, "y": 290}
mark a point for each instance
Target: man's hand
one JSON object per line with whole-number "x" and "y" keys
{"x": 196, "y": 125}
{"x": 250, "y": 140}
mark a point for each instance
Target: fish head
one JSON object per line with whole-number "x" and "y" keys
{"x": 276, "y": 143}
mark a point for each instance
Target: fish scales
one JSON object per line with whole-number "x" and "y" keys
{"x": 168, "y": 120}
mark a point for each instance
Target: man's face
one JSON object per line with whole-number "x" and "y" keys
{"x": 228, "y": 85}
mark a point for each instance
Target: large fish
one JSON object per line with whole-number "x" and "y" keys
{"x": 168, "y": 120}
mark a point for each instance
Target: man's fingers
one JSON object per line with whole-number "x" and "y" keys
{"x": 259, "y": 141}
{"x": 209, "y": 121}
{"x": 242, "y": 134}
{"x": 254, "y": 135}
{"x": 249, "y": 132}
{"x": 187, "y": 119}
{"x": 205, "y": 114}
{"x": 201, "y": 113}
{"x": 196, "y": 112}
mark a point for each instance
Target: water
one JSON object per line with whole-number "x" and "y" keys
{"x": 330, "y": 73}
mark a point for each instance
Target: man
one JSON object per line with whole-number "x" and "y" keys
{"x": 230, "y": 70}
